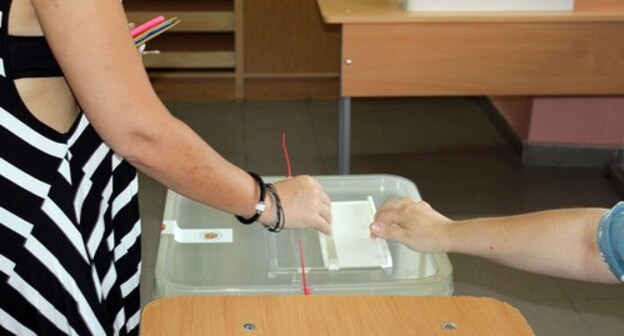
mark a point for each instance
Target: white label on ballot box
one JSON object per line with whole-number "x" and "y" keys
{"x": 190, "y": 236}
{"x": 354, "y": 247}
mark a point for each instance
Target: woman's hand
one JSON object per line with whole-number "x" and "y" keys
{"x": 305, "y": 203}
{"x": 413, "y": 223}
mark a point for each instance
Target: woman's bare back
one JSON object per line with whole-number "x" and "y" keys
{"x": 49, "y": 99}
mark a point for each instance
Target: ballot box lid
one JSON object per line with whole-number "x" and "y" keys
{"x": 204, "y": 251}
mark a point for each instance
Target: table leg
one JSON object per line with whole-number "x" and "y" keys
{"x": 344, "y": 135}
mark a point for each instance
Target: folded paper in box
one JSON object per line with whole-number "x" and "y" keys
{"x": 353, "y": 246}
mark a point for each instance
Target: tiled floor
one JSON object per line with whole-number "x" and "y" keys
{"x": 461, "y": 164}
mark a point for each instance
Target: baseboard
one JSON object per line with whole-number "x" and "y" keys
{"x": 567, "y": 156}
{"x": 549, "y": 155}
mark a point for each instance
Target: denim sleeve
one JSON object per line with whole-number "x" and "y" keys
{"x": 611, "y": 239}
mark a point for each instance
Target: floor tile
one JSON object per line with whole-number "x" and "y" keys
{"x": 554, "y": 318}
{"x": 475, "y": 276}
{"x": 219, "y": 124}
{"x": 367, "y": 136}
{"x": 435, "y": 124}
{"x": 264, "y": 125}
{"x": 577, "y": 290}
{"x": 604, "y": 317}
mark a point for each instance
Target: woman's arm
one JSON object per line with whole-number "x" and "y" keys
{"x": 92, "y": 43}
{"x": 560, "y": 243}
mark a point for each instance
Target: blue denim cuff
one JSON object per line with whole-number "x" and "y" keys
{"x": 611, "y": 239}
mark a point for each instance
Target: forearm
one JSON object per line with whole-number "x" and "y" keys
{"x": 559, "y": 242}
{"x": 170, "y": 152}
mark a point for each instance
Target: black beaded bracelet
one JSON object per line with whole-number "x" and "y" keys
{"x": 280, "y": 216}
{"x": 260, "y": 206}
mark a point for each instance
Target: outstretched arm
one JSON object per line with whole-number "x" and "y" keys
{"x": 560, "y": 243}
{"x": 92, "y": 43}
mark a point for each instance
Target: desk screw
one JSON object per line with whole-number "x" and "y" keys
{"x": 249, "y": 326}
{"x": 348, "y": 61}
{"x": 449, "y": 326}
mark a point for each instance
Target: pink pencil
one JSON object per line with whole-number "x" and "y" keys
{"x": 147, "y": 25}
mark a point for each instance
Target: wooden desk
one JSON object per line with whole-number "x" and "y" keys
{"x": 387, "y": 51}
{"x": 331, "y": 315}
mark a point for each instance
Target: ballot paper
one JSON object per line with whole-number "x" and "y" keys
{"x": 350, "y": 245}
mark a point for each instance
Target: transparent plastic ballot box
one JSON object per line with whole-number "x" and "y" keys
{"x": 204, "y": 251}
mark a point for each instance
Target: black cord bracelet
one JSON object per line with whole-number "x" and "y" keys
{"x": 280, "y": 216}
{"x": 260, "y": 206}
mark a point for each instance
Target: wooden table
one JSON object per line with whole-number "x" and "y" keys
{"x": 331, "y": 315}
{"x": 387, "y": 51}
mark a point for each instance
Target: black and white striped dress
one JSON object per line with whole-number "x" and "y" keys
{"x": 69, "y": 221}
